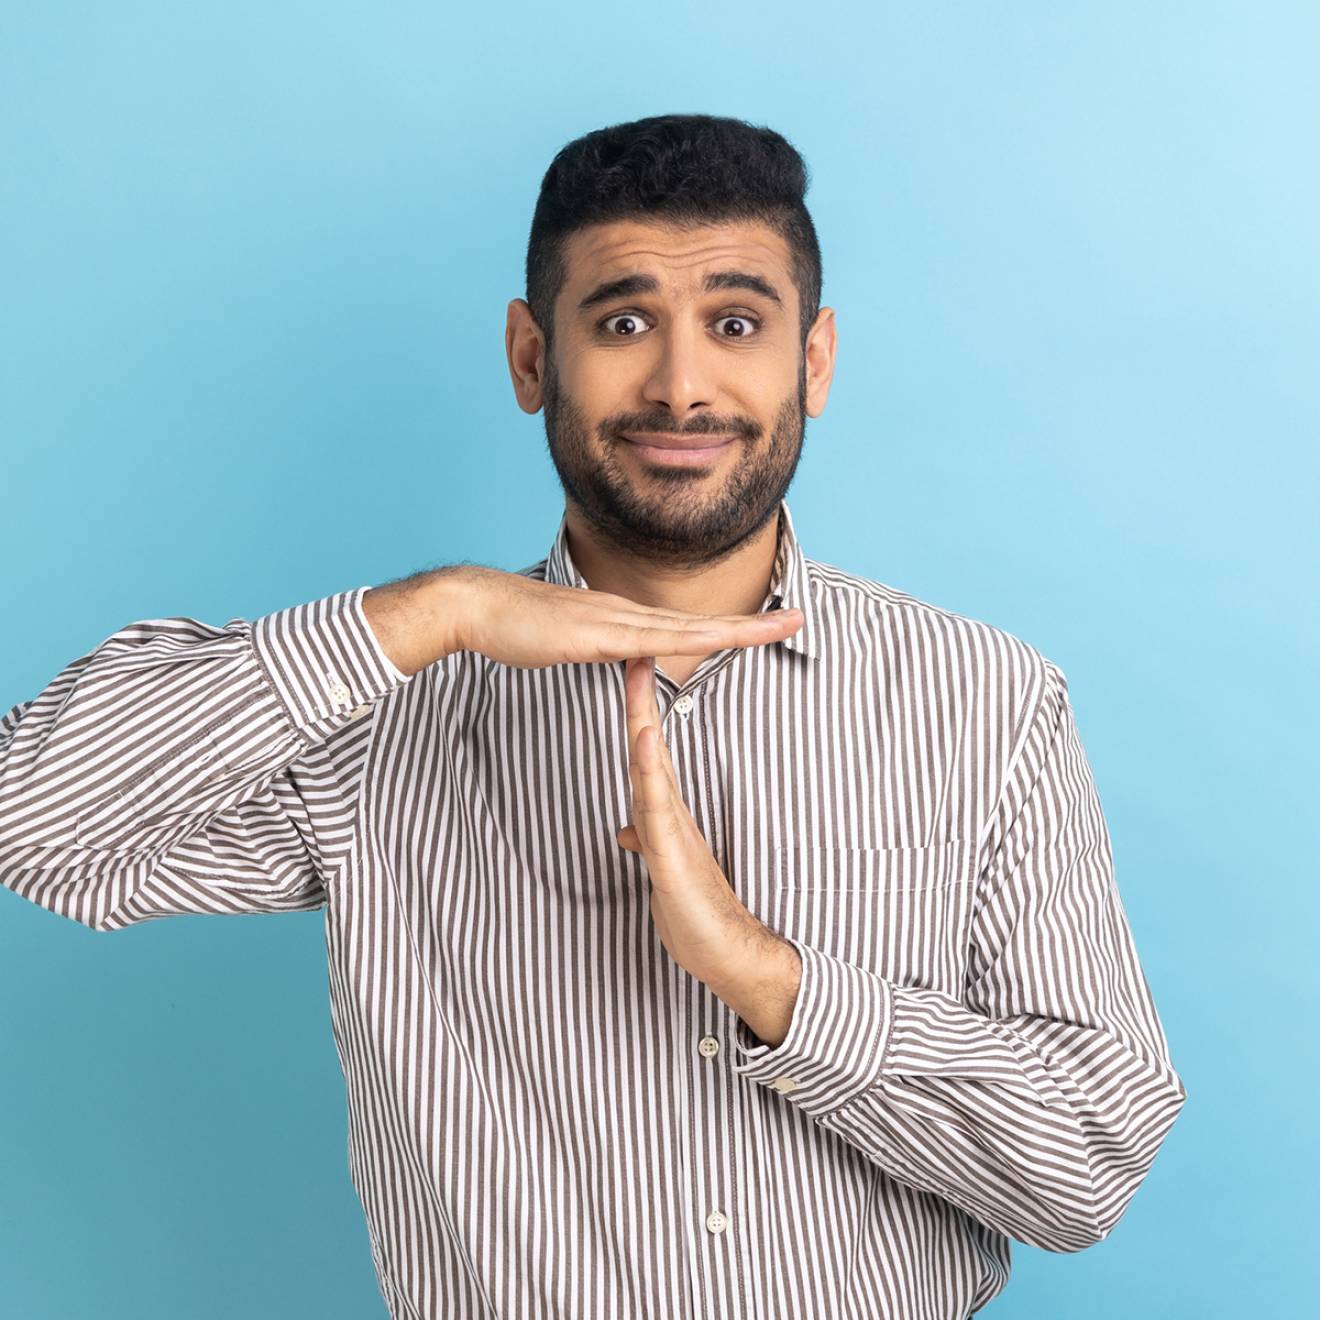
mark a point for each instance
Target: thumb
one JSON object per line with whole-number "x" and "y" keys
{"x": 627, "y": 838}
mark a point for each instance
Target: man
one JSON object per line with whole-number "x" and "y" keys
{"x": 712, "y": 932}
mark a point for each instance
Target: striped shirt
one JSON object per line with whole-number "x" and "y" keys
{"x": 548, "y": 1116}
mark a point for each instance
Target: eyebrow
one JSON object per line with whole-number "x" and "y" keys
{"x": 628, "y": 285}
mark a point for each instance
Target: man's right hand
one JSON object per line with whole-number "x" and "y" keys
{"x": 527, "y": 623}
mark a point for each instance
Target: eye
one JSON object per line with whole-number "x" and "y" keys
{"x": 626, "y": 318}
{"x": 745, "y": 320}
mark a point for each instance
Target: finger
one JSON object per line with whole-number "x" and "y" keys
{"x": 622, "y": 609}
{"x": 637, "y": 789}
{"x": 634, "y": 699}
{"x": 639, "y": 691}
{"x": 629, "y": 839}
{"x": 644, "y": 709}
{"x": 654, "y": 813}
{"x": 640, "y": 618}
{"x": 619, "y": 639}
{"x": 639, "y": 685}
{"x": 662, "y": 748}
{"x": 655, "y": 796}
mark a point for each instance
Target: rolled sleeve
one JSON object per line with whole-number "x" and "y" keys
{"x": 836, "y": 1039}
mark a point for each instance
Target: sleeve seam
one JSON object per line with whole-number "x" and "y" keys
{"x": 1049, "y": 683}
{"x": 335, "y": 875}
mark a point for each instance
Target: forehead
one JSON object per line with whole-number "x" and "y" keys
{"x": 677, "y": 257}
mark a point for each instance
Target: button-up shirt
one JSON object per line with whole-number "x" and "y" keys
{"x": 550, "y": 1117}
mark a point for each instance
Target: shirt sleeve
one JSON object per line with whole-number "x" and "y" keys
{"x": 1037, "y": 1101}
{"x": 180, "y": 767}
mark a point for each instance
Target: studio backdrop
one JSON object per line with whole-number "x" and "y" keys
{"x": 255, "y": 262}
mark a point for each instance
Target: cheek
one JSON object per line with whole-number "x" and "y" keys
{"x": 758, "y": 386}
{"x": 603, "y": 385}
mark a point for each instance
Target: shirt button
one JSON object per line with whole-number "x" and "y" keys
{"x": 784, "y": 1084}
{"x": 336, "y": 690}
{"x": 708, "y": 1046}
{"x": 358, "y": 712}
{"x": 716, "y": 1222}
{"x": 683, "y": 704}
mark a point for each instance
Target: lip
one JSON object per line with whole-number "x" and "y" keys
{"x": 678, "y": 450}
{"x": 671, "y": 440}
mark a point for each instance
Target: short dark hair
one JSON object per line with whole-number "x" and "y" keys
{"x": 678, "y": 169}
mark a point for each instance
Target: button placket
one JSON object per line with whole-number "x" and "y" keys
{"x": 717, "y": 1270}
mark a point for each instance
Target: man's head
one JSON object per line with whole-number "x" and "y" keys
{"x": 673, "y": 290}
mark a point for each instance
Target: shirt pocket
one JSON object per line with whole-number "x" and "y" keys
{"x": 903, "y": 913}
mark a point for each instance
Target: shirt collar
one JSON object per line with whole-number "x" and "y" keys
{"x": 790, "y": 587}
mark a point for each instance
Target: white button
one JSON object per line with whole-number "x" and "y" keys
{"x": 335, "y": 689}
{"x": 716, "y": 1222}
{"x": 358, "y": 712}
{"x": 709, "y": 1046}
{"x": 683, "y": 705}
{"x": 784, "y": 1084}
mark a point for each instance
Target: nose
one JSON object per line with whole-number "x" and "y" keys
{"x": 682, "y": 377}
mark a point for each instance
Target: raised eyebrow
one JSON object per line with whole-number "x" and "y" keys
{"x": 741, "y": 279}
{"x": 628, "y": 285}
{"x": 624, "y": 287}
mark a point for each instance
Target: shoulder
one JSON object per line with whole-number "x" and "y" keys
{"x": 930, "y": 642}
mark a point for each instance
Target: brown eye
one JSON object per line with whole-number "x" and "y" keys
{"x": 628, "y": 319}
{"x": 744, "y": 321}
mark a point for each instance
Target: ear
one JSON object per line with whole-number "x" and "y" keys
{"x": 524, "y": 346}
{"x": 819, "y": 354}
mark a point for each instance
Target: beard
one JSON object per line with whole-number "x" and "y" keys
{"x": 679, "y": 517}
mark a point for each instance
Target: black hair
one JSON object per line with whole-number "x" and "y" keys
{"x": 684, "y": 170}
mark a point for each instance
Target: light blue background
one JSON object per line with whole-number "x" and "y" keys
{"x": 254, "y": 263}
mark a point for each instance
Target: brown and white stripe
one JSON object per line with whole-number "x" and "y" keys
{"x": 548, "y": 1117}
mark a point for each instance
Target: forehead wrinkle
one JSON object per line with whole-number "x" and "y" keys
{"x": 613, "y": 257}
{"x": 692, "y": 288}
{"x": 724, "y": 253}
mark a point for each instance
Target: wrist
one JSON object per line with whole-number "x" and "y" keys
{"x": 420, "y": 619}
{"x": 451, "y": 595}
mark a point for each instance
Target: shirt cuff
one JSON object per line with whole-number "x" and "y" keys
{"x": 836, "y": 1039}
{"x": 324, "y": 661}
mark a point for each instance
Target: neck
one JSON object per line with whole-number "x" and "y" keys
{"x": 737, "y": 584}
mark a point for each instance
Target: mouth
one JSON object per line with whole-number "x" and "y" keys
{"x": 677, "y": 450}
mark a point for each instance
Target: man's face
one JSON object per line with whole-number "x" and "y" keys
{"x": 663, "y": 334}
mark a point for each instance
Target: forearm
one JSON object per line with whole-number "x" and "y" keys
{"x": 143, "y": 725}
{"x": 1039, "y": 1128}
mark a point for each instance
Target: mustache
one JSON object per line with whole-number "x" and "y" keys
{"x": 741, "y": 427}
